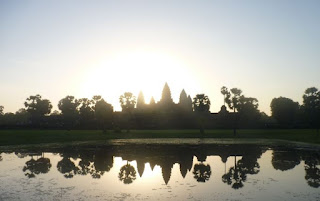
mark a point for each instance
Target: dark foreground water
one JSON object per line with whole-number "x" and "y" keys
{"x": 161, "y": 172}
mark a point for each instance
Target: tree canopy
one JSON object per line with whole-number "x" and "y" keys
{"x": 201, "y": 103}
{"x": 103, "y": 113}
{"x": 37, "y": 108}
{"x": 284, "y": 110}
{"x": 1, "y": 110}
{"x": 127, "y": 101}
{"x": 35, "y": 105}
{"x": 311, "y": 106}
{"x": 69, "y": 109}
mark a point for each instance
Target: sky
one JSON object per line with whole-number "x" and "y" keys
{"x": 84, "y": 48}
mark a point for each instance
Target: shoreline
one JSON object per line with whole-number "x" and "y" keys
{"x": 34, "y": 137}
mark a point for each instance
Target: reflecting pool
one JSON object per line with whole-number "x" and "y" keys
{"x": 161, "y": 172}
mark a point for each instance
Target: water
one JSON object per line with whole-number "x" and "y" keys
{"x": 161, "y": 172}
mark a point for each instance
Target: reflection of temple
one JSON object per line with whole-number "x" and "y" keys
{"x": 95, "y": 161}
{"x": 166, "y": 156}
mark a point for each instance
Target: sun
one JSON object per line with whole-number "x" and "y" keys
{"x": 134, "y": 72}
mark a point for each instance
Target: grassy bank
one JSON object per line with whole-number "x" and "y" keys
{"x": 20, "y": 137}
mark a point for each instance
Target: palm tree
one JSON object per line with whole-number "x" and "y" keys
{"x": 127, "y": 101}
{"x": 201, "y": 105}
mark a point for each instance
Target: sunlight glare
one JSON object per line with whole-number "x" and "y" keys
{"x": 146, "y": 71}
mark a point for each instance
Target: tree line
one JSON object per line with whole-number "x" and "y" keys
{"x": 97, "y": 113}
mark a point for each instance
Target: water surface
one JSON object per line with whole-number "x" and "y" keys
{"x": 139, "y": 171}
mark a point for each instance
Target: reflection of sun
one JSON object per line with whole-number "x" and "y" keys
{"x": 133, "y": 72}
{"x": 148, "y": 173}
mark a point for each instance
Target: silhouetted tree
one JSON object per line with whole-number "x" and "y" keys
{"x": 201, "y": 105}
{"x": 69, "y": 109}
{"x": 127, "y": 174}
{"x": 284, "y": 110}
{"x": 249, "y": 115}
{"x": 86, "y": 111}
{"x": 103, "y": 112}
{"x": 1, "y": 110}
{"x": 127, "y": 101}
{"x": 38, "y": 108}
{"x": 22, "y": 117}
{"x": 7, "y": 119}
{"x": 246, "y": 107}
{"x": 311, "y": 106}
{"x": 225, "y": 93}
{"x": 233, "y": 103}
{"x": 201, "y": 172}
{"x": 248, "y": 104}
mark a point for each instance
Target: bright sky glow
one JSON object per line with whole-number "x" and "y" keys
{"x": 135, "y": 71}
{"x": 83, "y": 48}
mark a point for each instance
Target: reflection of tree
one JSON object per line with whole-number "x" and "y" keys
{"x": 34, "y": 167}
{"x": 84, "y": 166}
{"x": 95, "y": 164}
{"x": 285, "y": 160}
{"x": 202, "y": 172}
{"x": 21, "y": 155}
{"x": 67, "y": 167}
{"x": 103, "y": 161}
{"x": 246, "y": 165}
{"x": 249, "y": 165}
{"x": 234, "y": 176}
{"x": 312, "y": 171}
{"x": 127, "y": 174}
